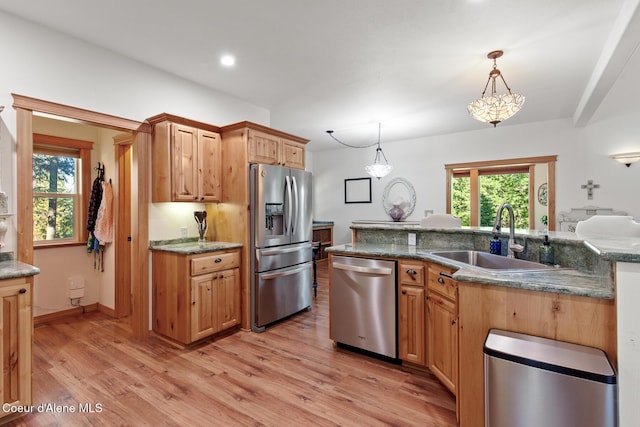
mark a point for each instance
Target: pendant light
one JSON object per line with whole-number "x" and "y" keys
{"x": 380, "y": 166}
{"x": 495, "y": 108}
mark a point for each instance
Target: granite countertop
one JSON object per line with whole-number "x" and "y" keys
{"x": 13, "y": 269}
{"x": 561, "y": 280}
{"x": 322, "y": 223}
{"x": 620, "y": 249}
{"x": 192, "y": 247}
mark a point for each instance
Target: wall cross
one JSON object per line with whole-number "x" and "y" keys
{"x": 589, "y": 186}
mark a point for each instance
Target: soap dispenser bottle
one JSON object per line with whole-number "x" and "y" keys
{"x": 545, "y": 252}
{"x": 495, "y": 247}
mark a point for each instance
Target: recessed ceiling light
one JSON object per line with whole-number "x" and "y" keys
{"x": 227, "y": 60}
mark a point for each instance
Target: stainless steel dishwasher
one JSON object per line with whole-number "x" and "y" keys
{"x": 363, "y": 304}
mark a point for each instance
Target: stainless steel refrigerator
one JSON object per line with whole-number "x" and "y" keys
{"x": 281, "y": 253}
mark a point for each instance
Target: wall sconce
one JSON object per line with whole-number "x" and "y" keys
{"x": 626, "y": 158}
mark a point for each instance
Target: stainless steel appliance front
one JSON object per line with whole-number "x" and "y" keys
{"x": 281, "y": 252}
{"x": 364, "y": 304}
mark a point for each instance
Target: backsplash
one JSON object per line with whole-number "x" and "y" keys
{"x": 570, "y": 252}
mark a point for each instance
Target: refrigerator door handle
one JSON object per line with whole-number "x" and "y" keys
{"x": 270, "y": 276}
{"x": 279, "y": 251}
{"x": 296, "y": 205}
{"x": 288, "y": 203}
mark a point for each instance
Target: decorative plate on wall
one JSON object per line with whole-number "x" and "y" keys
{"x": 542, "y": 194}
{"x": 399, "y": 192}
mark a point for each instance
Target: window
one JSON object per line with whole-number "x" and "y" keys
{"x": 476, "y": 190}
{"x": 61, "y": 173}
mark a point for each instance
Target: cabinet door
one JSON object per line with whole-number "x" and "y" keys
{"x": 264, "y": 148}
{"x": 228, "y": 305}
{"x": 443, "y": 340}
{"x": 203, "y": 296}
{"x": 411, "y": 324}
{"x": 15, "y": 347}
{"x": 184, "y": 140}
{"x": 209, "y": 166}
{"x": 292, "y": 154}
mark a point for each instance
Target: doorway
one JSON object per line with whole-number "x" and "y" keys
{"x": 138, "y": 280}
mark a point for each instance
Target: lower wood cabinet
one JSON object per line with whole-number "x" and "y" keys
{"x": 411, "y": 313}
{"x": 442, "y": 326}
{"x": 16, "y": 328}
{"x": 570, "y": 318}
{"x": 195, "y": 296}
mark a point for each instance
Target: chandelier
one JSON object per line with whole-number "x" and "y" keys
{"x": 380, "y": 166}
{"x": 495, "y": 108}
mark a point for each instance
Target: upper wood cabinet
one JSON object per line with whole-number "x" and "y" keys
{"x": 269, "y": 146}
{"x": 186, "y": 160}
{"x": 271, "y": 149}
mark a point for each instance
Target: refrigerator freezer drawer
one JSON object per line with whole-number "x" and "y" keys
{"x": 280, "y": 293}
{"x": 268, "y": 259}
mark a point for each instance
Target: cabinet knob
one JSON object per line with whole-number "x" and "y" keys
{"x": 404, "y": 292}
{"x": 441, "y": 280}
{"x": 411, "y": 271}
{"x": 195, "y": 197}
{"x": 201, "y": 198}
{"x": 22, "y": 291}
{"x": 453, "y": 322}
{"x": 217, "y": 260}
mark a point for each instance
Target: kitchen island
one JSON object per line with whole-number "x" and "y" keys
{"x": 573, "y": 303}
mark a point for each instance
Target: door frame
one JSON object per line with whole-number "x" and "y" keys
{"x": 25, "y": 106}
{"x": 123, "y": 152}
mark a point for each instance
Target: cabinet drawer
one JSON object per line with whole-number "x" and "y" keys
{"x": 445, "y": 303}
{"x": 411, "y": 274}
{"x": 214, "y": 262}
{"x": 440, "y": 283}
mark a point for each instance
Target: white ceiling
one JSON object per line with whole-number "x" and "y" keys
{"x": 412, "y": 65}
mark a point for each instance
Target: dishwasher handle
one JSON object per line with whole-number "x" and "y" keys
{"x": 385, "y": 271}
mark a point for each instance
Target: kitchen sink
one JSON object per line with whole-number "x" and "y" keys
{"x": 490, "y": 261}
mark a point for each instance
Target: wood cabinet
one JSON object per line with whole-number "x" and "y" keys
{"x": 186, "y": 160}
{"x": 273, "y": 149}
{"x": 16, "y": 328}
{"x": 442, "y": 321}
{"x": 195, "y": 296}
{"x": 576, "y": 319}
{"x": 411, "y": 321}
{"x": 323, "y": 236}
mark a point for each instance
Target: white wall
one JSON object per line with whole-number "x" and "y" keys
{"x": 47, "y": 65}
{"x": 583, "y": 153}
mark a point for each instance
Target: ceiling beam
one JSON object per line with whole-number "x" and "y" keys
{"x": 619, "y": 48}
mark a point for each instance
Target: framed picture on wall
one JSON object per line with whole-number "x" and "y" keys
{"x": 357, "y": 190}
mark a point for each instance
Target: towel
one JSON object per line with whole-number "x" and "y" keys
{"x": 104, "y": 219}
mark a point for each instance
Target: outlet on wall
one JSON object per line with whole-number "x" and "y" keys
{"x": 183, "y": 231}
{"x": 411, "y": 239}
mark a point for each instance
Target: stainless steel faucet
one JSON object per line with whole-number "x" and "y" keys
{"x": 497, "y": 225}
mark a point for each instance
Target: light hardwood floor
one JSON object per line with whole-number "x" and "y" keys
{"x": 290, "y": 375}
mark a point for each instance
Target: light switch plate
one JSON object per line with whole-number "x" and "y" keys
{"x": 412, "y": 239}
